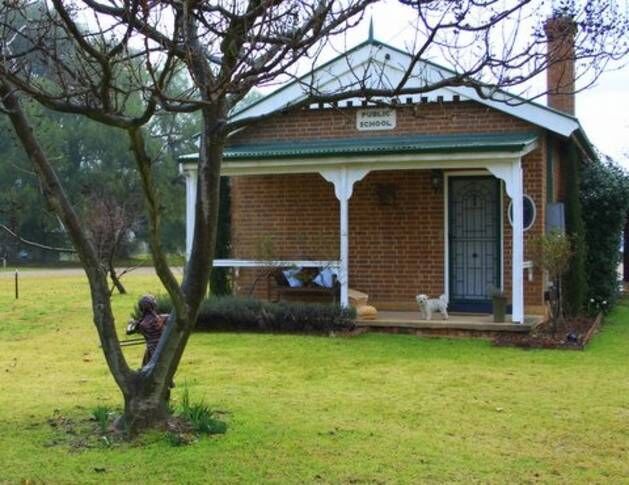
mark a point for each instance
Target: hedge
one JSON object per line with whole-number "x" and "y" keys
{"x": 575, "y": 280}
{"x": 248, "y": 314}
{"x": 605, "y": 201}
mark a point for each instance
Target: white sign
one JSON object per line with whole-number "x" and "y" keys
{"x": 375, "y": 119}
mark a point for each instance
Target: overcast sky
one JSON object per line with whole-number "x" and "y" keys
{"x": 604, "y": 114}
{"x": 603, "y": 109}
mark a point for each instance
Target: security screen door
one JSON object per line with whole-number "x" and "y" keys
{"x": 474, "y": 242}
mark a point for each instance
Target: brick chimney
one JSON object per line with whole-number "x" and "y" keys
{"x": 560, "y": 31}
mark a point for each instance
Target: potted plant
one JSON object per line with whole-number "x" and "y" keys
{"x": 499, "y": 302}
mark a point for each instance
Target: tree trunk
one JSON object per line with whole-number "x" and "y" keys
{"x": 146, "y": 392}
{"x": 556, "y": 304}
{"x": 144, "y": 409}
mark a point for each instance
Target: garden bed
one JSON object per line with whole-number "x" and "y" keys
{"x": 573, "y": 334}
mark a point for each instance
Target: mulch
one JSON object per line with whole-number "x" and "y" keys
{"x": 573, "y": 334}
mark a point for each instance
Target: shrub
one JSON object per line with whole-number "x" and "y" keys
{"x": 575, "y": 280}
{"x": 101, "y": 414}
{"x": 605, "y": 200}
{"x": 233, "y": 313}
{"x": 553, "y": 253}
{"x": 200, "y": 416}
{"x": 248, "y": 314}
{"x": 191, "y": 420}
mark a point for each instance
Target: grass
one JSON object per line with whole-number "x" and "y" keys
{"x": 388, "y": 408}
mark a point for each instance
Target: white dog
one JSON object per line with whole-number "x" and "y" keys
{"x": 429, "y": 305}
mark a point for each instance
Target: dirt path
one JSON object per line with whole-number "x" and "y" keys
{"x": 60, "y": 272}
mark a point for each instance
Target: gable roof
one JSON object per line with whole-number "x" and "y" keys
{"x": 382, "y": 66}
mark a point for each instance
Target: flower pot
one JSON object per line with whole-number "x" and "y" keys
{"x": 500, "y": 308}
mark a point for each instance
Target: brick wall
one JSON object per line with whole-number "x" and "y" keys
{"x": 396, "y": 249}
{"x": 293, "y": 216}
{"x": 430, "y": 118}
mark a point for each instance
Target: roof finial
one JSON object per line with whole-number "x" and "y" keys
{"x": 370, "y": 37}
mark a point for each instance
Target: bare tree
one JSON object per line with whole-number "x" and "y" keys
{"x": 110, "y": 224}
{"x": 114, "y": 62}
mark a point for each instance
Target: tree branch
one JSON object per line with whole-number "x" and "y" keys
{"x": 36, "y": 244}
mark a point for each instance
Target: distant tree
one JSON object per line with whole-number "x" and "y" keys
{"x": 89, "y": 158}
{"x": 22, "y": 209}
{"x": 119, "y": 71}
{"x": 111, "y": 222}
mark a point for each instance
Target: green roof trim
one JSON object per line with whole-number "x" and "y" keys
{"x": 455, "y": 143}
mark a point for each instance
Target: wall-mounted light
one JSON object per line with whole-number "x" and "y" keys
{"x": 436, "y": 178}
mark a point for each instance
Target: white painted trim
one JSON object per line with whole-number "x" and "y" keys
{"x": 369, "y": 162}
{"x": 512, "y": 176}
{"x": 256, "y": 263}
{"x": 502, "y": 235}
{"x": 186, "y": 168}
{"x": 191, "y": 200}
{"x": 509, "y": 216}
{"x": 446, "y": 235}
{"x": 517, "y": 270}
{"x": 386, "y": 66}
{"x": 507, "y": 168}
{"x": 344, "y": 179}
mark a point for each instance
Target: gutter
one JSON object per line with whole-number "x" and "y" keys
{"x": 584, "y": 144}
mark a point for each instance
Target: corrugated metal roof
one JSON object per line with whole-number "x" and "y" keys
{"x": 455, "y": 143}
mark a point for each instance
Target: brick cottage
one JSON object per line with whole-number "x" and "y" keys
{"x": 434, "y": 193}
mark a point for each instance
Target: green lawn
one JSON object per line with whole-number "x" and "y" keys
{"x": 374, "y": 408}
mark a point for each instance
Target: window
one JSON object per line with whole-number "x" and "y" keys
{"x": 529, "y": 212}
